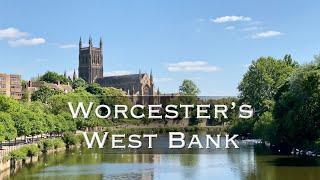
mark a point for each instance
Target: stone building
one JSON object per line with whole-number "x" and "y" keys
{"x": 91, "y": 70}
{"x": 90, "y": 62}
{"x": 32, "y": 86}
{"x": 10, "y": 85}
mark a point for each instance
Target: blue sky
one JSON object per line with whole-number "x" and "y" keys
{"x": 210, "y": 42}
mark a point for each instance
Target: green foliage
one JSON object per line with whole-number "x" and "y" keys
{"x": 43, "y": 93}
{"x": 6, "y": 122}
{"x": 50, "y": 144}
{"x": 261, "y": 81}
{"x": 79, "y": 83}
{"x": 265, "y": 128}
{"x": 95, "y": 89}
{"x": 24, "y": 152}
{"x": 69, "y": 139}
{"x": 297, "y": 107}
{"x": 53, "y": 77}
{"x": 188, "y": 87}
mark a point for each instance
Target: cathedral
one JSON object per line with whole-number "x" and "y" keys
{"x": 91, "y": 70}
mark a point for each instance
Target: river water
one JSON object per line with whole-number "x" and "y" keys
{"x": 247, "y": 162}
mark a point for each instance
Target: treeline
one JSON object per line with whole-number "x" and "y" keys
{"x": 48, "y": 113}
{"x": 286, "y": 101}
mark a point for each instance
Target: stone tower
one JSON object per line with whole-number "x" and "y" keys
{"x": 90, "y": 61}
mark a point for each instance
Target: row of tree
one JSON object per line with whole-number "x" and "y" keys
{"x": 286, "y": 100}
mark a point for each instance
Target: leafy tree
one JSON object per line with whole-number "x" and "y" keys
{"x": 53, "y": 77}
{"x": 297, "y": 108}
{"x": 188, "y": 87}
{"x": 7, "y": 123}
{"x": 265, "y": 127}
{"x": 43, "y": 93}
{"x": 261, "y": 81}
{"x": 79, "y": 83}
{"x": 95, "y": 89}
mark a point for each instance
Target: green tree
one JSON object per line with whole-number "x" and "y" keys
{"x": 297, "y": 108}
{"x": 53, "y": 77}
{"x": 95, "y": 89}
{"x": 188, "y": 87}
{"x": 265, "y": 127}
{"x": 79, "y": 83}
{"x": 261, "y": 81}
{"x": 7, "y": 123}
{"x": 43, "y": 93}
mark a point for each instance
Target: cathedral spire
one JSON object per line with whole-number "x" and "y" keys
{"x": 90, "y": 41}
{"x": 100, "y": 43}
{"x": 139, "y": 73}
{"x": 80, "y": 43}
{"x": 74, "y": 75}
{"x": 151, "y": 76}
{"x": 65, "y": 73}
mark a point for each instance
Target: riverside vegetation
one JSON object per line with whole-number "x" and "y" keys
{"x": 285, "y": 97}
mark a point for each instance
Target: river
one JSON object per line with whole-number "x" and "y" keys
{"x": 247, "y": 162}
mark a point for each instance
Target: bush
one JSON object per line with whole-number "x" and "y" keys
{"x": 69, "y": 139}
{"x": 24, "y": 152}
{"x": 49, "y": 144}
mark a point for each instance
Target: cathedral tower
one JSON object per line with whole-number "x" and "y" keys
{"x": 90, "y": 62}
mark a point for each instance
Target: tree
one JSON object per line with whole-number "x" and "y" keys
{"x": 8, "y": 124}
{"x": 265, "y": 128}
{"x": 53, "y": 77}
{"x": 79, "y": 83}
{"x": 261, "y": 81}
{"x": 297, "y": 107}
{"x": 95, "y": 89}
{"x": 188, "y": 87}
{"x": 43, "y": 93}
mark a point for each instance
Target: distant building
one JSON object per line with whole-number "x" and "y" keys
{"x": 33, "y": 86}
{"x": 10, "y": 85}
{"x": 91, "y": 70}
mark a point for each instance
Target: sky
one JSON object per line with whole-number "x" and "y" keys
{"x": 208, "y": 41}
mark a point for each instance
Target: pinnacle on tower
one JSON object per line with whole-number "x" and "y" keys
{"x": 74, "y": 75}
{"x": 151, "y": 76}
{"x": 65, "y": 74}
{"x": 90, "y": 41}
{"x": 100, "y": 43}
{"x": 80, "y": 43}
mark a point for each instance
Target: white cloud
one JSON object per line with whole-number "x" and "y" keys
{"x": 26, "y": 42}
{"x": 225, "y": 19}
{"x": 12, "y": 33}
{"x": 191, "y": 66}
{"x": 230, "y": 28}
{"x": 266, "y": 34}
{"x": 162, "y": 80}
{"x": 67, "y": 46}
{"x": 116, "y": 73}
{"x": 253, "y": 28}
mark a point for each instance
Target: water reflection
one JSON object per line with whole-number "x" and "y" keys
{"x": 245, "y": 163}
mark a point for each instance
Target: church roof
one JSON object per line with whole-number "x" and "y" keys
{"x": 124, "y": 82}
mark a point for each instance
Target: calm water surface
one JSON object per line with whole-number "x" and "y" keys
{"x": 248, "y": 162}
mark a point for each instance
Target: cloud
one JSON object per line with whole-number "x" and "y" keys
{"x": 266, "y": 34}
{"x": 253, "y": 28}
{"x": 116, "y": 73}
{"x": 26, "y": 42}
{"x": 41, "y": 60}
{"x": 191, "y": 66}
{"x": 162, "y": 80}
{"x": 225, "y": 19}
{"x": 67, "y": 46}
{"x": 230, "y": 28}
{"x": 12, "y": 33}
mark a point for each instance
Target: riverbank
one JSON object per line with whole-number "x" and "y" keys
{"x": 30, "y": 153}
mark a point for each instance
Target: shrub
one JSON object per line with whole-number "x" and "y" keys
{"x": 69, "y": 139}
